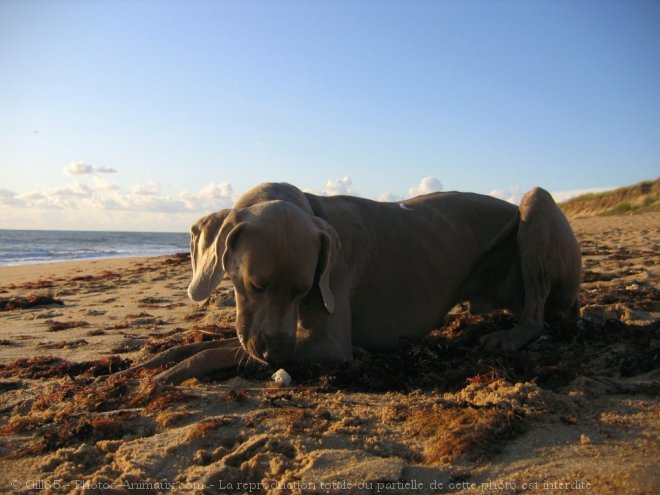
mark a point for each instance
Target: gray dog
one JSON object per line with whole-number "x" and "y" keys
{"x": 315, "y": 276}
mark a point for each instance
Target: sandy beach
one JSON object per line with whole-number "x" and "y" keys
{"x": 576, "y": 411}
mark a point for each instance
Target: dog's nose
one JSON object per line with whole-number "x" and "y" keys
{"x": 277, "y": 349}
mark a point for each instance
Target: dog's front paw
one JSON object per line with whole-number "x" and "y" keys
{"x": 167, "y": 377}
{"x": 499, "y": 341}
{"x": 511, "y": 340}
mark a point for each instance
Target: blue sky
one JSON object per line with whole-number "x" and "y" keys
{"x": 146, "y": 115}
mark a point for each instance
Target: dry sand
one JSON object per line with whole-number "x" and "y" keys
{"x": 575, "y": 412}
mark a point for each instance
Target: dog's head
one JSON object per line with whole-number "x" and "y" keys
{"x": 275, "y": 254}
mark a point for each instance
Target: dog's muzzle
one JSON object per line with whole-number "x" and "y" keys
{"x": 275, "y": 349}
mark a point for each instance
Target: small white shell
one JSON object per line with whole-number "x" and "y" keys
{"x": 282, "y": 378}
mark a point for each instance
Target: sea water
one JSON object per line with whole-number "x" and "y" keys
{"x": 19, "y": 247}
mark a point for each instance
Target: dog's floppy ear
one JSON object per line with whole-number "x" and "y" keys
{"x": 208, "y": 242}
{"x": 330, "y": 246}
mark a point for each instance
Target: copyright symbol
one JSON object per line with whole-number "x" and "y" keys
{"x": 15, "y": 484}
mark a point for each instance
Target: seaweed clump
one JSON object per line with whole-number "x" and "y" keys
{"x": 32, "y": 301}
{"x": 40, "y": 367}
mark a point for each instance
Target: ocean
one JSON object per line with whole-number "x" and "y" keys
{"x": 19, "y": 247}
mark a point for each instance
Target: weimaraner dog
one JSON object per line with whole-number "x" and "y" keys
{"x": 314, "y": 276}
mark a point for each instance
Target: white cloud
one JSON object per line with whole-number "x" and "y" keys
{"x": 149, "y": 196}
{"x": 334, "y": 187}
{"x": 28, "y": 197}
{"x": 37, "y": 199}
{"x": 102, "y": 204}
{"x": 72, "y": 190}
{"x": 82, "y": 168}
{"x": 79, "y": 168}
{"x": 427, "y": 185}
{"x": 562, "y": 196}
{"x": 390, "y": 197}
{"x": 215, "y": 191}
{"x": 7, "y": 197}
{"x": 103, "y": 184}
{"x": 512, "y": 195}
{"x": 212, "y": 197}
{"x": 60, "y": 197}
{"x": 104, "y": 196}
{"x": 147, "y": 188}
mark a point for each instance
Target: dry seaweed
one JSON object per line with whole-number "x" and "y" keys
{"x": 104, "y": 275}
{"x": 215, "y": 331}
{"x": 73, "y": 411}
{"x": 205, "y": 426}
{"x": 450, "y": 358}
{"x": 177, "y": 259}
{"x": 119, "y": 326}
{"x": 466, "y": 434}
{"x": 95, "y": 332}
{"x": 32, "y": 301}
{"x": 179, "y": 337}
{"x": 69, "y": 344}
{"x": 7, "y": 385}
{"x": 168, "y": 397}
{"x": 79, "y": 428}
{"x": 49, "y": 366}
{"x": 57, "y": 326}
{"x": 38, "y": 284}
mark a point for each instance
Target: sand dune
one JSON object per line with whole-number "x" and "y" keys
{"x": 576, "y": 411}
{"x": 643, "y": 197}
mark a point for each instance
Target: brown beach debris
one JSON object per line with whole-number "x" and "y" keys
{"x": 119, "y": 325}
{"x": 50, "y": 366}
{"x": 68, "y": 344}
{"x": 154, "y": 302}
{"x": 39, "y": 284}
{"x": 96, "y": 332}
{"x": 104, "y": 275}
{"x": 453, "y": 431}
{"x": 205, "y": 426}
{"x": 162, "y": 398}
{"x": 57, "y": 326}
{"x": 215, "y": 330}
{"x": 177, "y": 259}
{"x": 32, "y": 301}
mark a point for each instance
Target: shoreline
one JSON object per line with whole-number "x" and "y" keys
{"x": 18, "y": 248}
{"x": 92, "y": 258}
{"x": 32, "y": 272}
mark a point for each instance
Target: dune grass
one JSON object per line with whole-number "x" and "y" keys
{"x": 638, "y": 198}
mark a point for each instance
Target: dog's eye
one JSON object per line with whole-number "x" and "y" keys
{"x": 256, "y": 288}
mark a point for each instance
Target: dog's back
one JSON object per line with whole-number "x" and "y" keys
{"x": 408, "y": 260}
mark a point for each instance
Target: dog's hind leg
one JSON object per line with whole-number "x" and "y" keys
{"x": 530, "y": 323}
{"x": 541, "y": 234}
